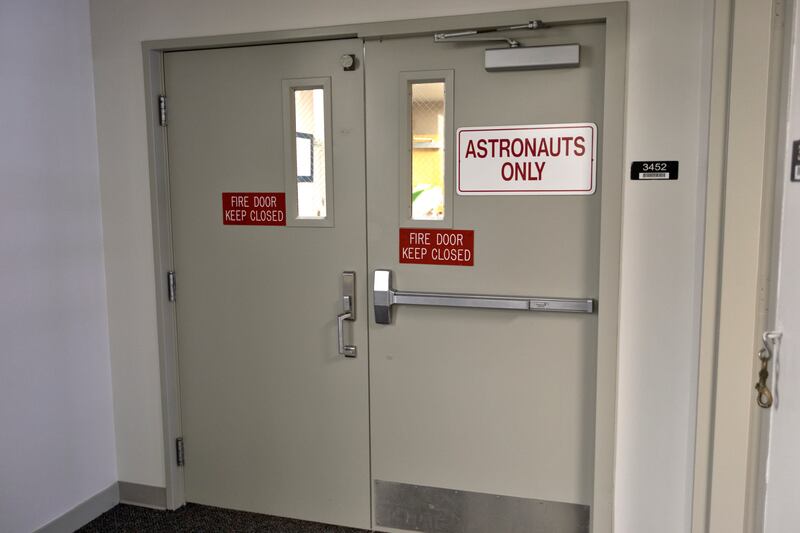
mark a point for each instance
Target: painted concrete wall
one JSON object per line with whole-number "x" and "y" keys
{"x": 57, "y": 443}
{"x": 782, "y": 513}
{"x": 667, "y": 96}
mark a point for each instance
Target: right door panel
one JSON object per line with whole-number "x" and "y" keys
{"x": 489, "y": 401}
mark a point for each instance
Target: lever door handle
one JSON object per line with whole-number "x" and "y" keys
{"x": 349, "y": 314}
{"x": 347, "y": 350}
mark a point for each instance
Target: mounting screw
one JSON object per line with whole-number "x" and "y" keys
{"x": 348, "y": 62}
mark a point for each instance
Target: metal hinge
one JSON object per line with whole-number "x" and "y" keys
{"x": 179, "y": 457}
{"x": 171, "y": 285}
{"x": 162, "y": 110}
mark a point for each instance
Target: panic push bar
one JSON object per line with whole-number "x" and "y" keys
{"x": 385, "y": 296}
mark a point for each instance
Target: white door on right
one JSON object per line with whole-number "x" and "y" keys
{"x": 484, "y": 182}
{"x": 781, "y": 512}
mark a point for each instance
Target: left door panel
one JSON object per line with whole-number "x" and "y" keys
{"x": 274, "y": 419}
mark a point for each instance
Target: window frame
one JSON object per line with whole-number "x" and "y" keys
{"x": 290, "y": 86}
{"x": 407, "y": 79}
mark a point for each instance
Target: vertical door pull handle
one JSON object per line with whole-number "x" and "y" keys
{"x": 349, "y": 312}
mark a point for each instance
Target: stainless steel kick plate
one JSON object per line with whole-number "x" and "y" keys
{"x": 431, "y": 509}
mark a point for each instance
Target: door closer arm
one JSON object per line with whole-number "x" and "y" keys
{"x": 486, "y": 35}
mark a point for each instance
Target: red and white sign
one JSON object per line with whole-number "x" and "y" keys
{"x": 437, "y": 246}
{"x": 254, "y": 208}
{"x": 538, "y": 159}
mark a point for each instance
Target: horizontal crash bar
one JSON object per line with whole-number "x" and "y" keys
{"x": 521, "y": 303}
{"x": 385, "y": 297}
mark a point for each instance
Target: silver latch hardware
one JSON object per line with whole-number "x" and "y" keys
{"x": 171, "y": 286}
{"x": 179, "y": 457}
{"x": 162, "y": 110}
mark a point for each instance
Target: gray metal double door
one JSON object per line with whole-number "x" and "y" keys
{"x": 275, "y": 419}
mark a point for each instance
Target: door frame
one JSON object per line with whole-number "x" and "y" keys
{"x": 747, "y": 81}
{"x": 775, "y": 267}
{"x": 614, "y": 15}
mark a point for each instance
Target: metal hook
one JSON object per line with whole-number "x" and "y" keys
{"x": 770, "y": 339}
{"x": 764, "y": 396}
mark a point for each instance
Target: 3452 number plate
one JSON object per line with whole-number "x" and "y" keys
{"x": 654, "y": 170}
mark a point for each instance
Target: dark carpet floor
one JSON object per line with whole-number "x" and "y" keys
{"x": 199, "y": 518}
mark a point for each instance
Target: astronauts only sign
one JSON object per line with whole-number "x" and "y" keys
{"x": 538, "y": 159}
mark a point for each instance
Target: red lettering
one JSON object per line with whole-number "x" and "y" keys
{"x": 493, "y": 142}
{"x": 517, "y": 147}
{"x": 580, "y": 148}
{"x": 566, "y": 145}
{"x": 470, "y": 149}
{"x": 482, "y": 148}
{"x": 496, "y": 148}
{"x": 520, "y": 170}
{"x": 504, "y": 143}
{"x": 530, "y": 147}
{"x": 543, "y": 148}
{"x": 554, "y": 152}
{"x": 539, "y": 168}
{"x": 510, "y": 174}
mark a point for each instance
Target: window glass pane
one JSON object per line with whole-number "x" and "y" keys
{"x": 427, "y": 150}
{"x": 309, "y": 125}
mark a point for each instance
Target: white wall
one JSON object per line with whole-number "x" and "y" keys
{"x": 667, "y": 94}
{"x": 57, "y": 444}
{"x": 782, "y": 514}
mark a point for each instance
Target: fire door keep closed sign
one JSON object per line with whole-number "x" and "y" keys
{"x": 423, "y": 246}
{"x": 254, "y": 209}
{"x": 537, "y": 159}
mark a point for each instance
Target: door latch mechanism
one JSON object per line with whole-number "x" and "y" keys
{"x": 770, "y": 341}
{"x": 349, "y": 314}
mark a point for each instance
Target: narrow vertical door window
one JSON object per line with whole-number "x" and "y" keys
{"x": 427, "y": 149}
{"x": 309, "y": 117}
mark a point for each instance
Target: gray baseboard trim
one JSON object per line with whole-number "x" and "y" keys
{"x": 142, "y": 495}
{"x": 83, "y": 513}
{"x": 121, "y": 492}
